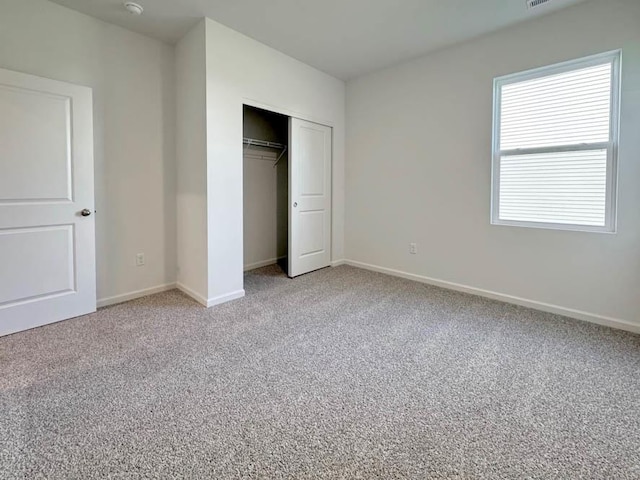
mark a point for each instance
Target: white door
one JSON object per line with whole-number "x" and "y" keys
{"x": 309, "y": 197}
{"x": 47, "y": 246}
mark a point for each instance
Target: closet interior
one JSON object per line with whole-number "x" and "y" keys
{"x": 266, "y": 149}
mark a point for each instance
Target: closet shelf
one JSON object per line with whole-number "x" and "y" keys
{"x": 265, "y": 144}
{"x": 261, "y": 143}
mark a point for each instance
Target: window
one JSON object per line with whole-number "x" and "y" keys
{"x": 555, "y": 136}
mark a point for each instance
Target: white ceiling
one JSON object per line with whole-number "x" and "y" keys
{"x": 344, "y": 38}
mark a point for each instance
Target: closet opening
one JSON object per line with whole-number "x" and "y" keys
{"x": 286, "y": 192}
{"x": 265, "y": 188}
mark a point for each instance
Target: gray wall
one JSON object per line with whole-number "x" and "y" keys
{"x": 132, "y": 77}
{"x": 419, "y": 170}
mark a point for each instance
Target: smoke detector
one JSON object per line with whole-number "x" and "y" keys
{"x": 133, "y": 8}
{"x": 536, "y": 3}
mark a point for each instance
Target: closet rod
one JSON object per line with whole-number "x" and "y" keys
{"x": 262, "y": 143}
{"x": 257, "y": 156}
{"x": 270, "y": 157}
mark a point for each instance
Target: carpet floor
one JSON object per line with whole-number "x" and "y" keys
{"x": 342, "y": 373}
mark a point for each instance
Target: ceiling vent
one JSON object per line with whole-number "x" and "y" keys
{"x": 536, "y": 3}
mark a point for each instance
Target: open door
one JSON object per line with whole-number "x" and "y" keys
{"x": 309, "y": 197}
{"x": 47, "y": 239}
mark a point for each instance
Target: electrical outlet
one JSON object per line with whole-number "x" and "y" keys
{"x": 139, "y": 259}
{"x": 413, "y": 248}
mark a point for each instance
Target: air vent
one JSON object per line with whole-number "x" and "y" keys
{"x": 536, "y": 3}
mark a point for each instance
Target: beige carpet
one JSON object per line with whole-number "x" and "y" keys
{"x": 342, "y": 373}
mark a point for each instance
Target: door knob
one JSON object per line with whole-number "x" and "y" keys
{"x": 85, "y": 212}
{"x": 295, "y": 204}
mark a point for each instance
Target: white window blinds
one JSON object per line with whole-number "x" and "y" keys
{"x": 554, "y": 147}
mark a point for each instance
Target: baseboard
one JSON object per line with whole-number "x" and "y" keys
{"x": 225, "y": 298}
{"x": 125, "y": 297}
{"x": 262, "y": 263}
{"x": 524, "y": 302}
{"x": 337, "y": 263}
{"x": 196, "y": 296}
{"x": 210, "y": 302}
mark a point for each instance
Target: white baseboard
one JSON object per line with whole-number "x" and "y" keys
{"x": 524, "y": 302}
{"x": 337, "y": 263}
{"x": 125, "y": 297}
{"x": 262, "y": 263}
{"x": 210, "y": 302}
{"x": 225, "y": 298}
{"x": 196, "y": 296}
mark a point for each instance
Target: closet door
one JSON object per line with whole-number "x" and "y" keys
{"x": 309, "y": 197}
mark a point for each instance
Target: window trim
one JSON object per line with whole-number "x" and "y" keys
{"x": 611, "y": 198}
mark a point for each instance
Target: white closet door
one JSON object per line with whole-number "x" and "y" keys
{"x": 47, "y": 239}
{"x": 309, "y": 197}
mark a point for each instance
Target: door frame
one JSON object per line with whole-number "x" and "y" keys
{"x": 308, "y": 118}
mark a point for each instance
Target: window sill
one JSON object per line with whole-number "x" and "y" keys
{"x": 554, "y": 226}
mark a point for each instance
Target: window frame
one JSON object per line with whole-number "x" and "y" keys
{"x": 614, "y": 57}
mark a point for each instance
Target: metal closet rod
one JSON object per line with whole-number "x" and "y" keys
{"x": 263, "y": 143}
{"x": 257, "y": 156}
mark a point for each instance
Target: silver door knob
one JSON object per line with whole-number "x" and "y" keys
{"x": 85, "y": 212}
{"x": 295, "y": 204}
